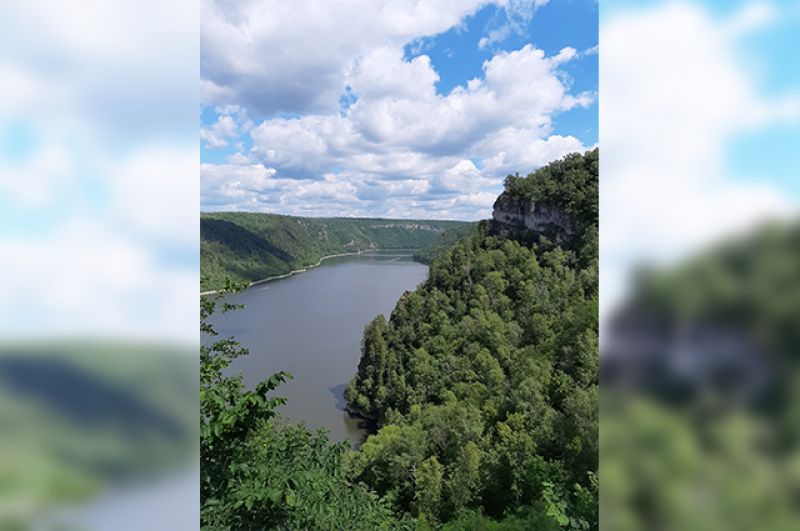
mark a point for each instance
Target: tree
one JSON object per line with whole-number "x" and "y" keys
{"x": 484, "y": 380}
{"x": 428, "y": 487}
{"x": 260, "y": 472}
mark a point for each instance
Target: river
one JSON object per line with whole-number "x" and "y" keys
{"x": 311, "y": 326}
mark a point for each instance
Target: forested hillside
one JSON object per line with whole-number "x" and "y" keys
{"x": 246, "y": 246}
{"x": 484, "y": 380}
{"x": 483, "y": 384}
{"x": 447, "y": 239}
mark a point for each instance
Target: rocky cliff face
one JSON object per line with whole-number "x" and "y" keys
{"x": 513, "y": 215}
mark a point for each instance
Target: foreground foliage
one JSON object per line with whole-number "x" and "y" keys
{"x": 259, "y": 472}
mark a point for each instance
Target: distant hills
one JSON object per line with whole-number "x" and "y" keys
{"x": 483, "y": 383}
{"x": 246, "y": 246}
{"x": 78, "y": 417}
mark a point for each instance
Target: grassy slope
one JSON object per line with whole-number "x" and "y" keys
{"x": 252, "y": 246}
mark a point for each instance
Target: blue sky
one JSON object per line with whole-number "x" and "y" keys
{"x": 700, "y": 128}
{"x": 98, "y": 170}
{"x": 392, "y": 118}
{"x": 458, "y": 58}
{"x": 771, "y": 152}
{"x": 767, "y": 55}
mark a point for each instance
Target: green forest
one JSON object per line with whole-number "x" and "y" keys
{"x": 483, "y": 385}
{"x": 246, "y": 246}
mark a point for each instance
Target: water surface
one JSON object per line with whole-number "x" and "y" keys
{"x": 311, "y": 326}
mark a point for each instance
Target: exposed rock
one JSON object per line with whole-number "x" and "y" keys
{"x": 408, "y": 226}
{"x": 514, "y": 215}
{"x": 681, "y": 360}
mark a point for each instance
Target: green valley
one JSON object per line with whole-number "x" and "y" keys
{"x": 248, "y": 247}
{"x": 482, "y": 384}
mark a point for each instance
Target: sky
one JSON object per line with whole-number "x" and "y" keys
{"x": 99, "y": 180}
{"x": 700, "y": 128}
{"x": 98, "y": 170}
{"x": 408, "y": 109}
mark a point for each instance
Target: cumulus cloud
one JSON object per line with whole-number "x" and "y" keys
{"x": 382, "y": 72}
{"x": 272, "y": 56}
{"x": 670, "y": 104}
{"x": 87, "y": 279}
{"x": 217, "y": 135}
{"x": 400, "y": 140}
{"x": 103, "y": 227}
{"x": 511, "y": 154}
{"x": 519, "y": 88}
{"x": 150, "y": 185}
{"x": 513, "y": 18}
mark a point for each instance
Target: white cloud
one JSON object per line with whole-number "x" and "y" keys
{"x": 401, "y": 131}
{"x": 228, "y": 186}
{"x": 104, "y": 233}
{"x": 516, "y": 15}
{"x": 35, "y": 182}
{"x": 272, "y": 56}
{"x": 752, "y": 16}
{"x": 218, "y": 135}
{"x": 520, "y": 148}
{"x": 519, "y": 88}
{"x": 566, "y": 54}
{"x": 296, "y": 143}
{"x": 496, "y": 35}
{"x": 84, "y": 279}
{"x": 232, "y": 121}
{"x": 383, "y": 72}
{"x": 151, "y": 186}
{"x": 670, "y": 103}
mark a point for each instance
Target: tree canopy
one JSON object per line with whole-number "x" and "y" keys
{"x": 484, "y": 380}
{"x": 483, "y": 384}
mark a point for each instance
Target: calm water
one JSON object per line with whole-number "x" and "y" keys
{"x": 311, "y": 325}
{"x": 171, "y": 503}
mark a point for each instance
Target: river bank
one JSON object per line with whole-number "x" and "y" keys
{"x": 312, "y": 325}
{"x": 295, "y": 272}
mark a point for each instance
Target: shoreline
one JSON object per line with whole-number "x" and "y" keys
{"x": 304, "y": 269}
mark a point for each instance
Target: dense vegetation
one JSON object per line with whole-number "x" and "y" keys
{"x": 570, "y": 186}
{"x": 483, "y": 384}
{"x": 260, "y": 472}
{"x": 446, "y": 239}
{"x": 484, "y": 380}
{"x": 716, "y": 446}
{"x": 247, "y": 246}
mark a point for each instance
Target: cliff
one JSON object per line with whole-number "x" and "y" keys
{"x": 528, "y": 220}
{"x": 554, "y": 206}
